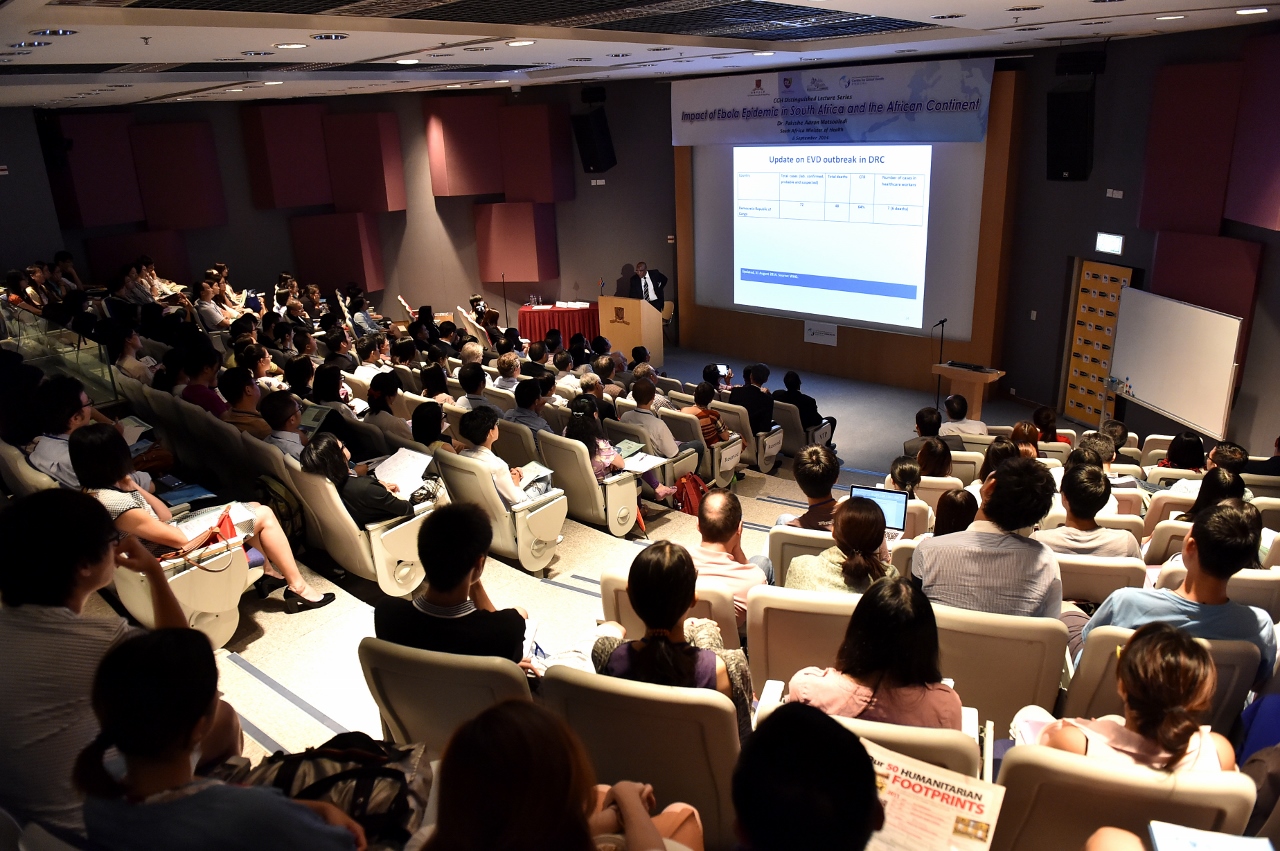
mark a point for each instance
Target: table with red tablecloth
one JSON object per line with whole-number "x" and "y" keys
{"x": 535, "y": 322}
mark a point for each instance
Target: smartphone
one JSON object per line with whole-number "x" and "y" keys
{"x": 723, "y": 369}
{"x": 171, "y": 482}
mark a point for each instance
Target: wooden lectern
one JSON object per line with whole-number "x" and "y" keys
{"x": 968, "y": 383}
{"x": 631, "y": 322}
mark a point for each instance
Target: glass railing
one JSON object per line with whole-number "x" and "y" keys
{"x": 58, "y": 350}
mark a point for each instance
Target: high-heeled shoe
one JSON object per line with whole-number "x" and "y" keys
{"x": 269, "y": 583}
{"x": 295, "y": 603}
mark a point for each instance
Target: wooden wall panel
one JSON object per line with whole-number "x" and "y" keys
{"x": 537, "y": 152}
{"x": 366, "y": 167}
{"x": 178, "y": 175}
{"x": 463, "y": 145}
{"x": 516, "y": 242}
{"x": 107, "y": 255}
{"x": 97, "y": 185}
{"x": 1253, "y": 192}
{"x": 1188, "y": 159}
{"x": 895, "y": 359}
{"x": 285, "y": 152}
{"x": 334, "y": 250}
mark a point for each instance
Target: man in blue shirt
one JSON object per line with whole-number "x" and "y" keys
{"x": 1222, "y": 542}
{"x": 529, "y": 405}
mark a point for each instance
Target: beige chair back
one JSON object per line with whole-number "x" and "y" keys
{"x": 1000, "y": 431}
{"x": 612, "y": 504}
{"x": 504, "y": 399}
{"x": 19, "y": 476}
{"x": 965, "y": 465}
{"x": 404, "y": 403}
{"x": 950, "y": 749}
{"x": 557, "y": 416}
{"x": 1257, "y": 588}
{"x": 453, "y": 416}
{"x": 1069, "y": 434}
{"x": 788, "y": 630}
{"x": 516, "y": 444}
{"x": 1155, "y": 443}
{"x": 1056, "y": 450}
{"x": 714, "y": 602}
{"x": 359, "y": 385}
{"x": 904, "y": 550}
{"x": 424, "y": 696}
{"x": 1092, "y": 578}
{"x": 684, "y": 741}
{"x": 1055, "y": 800}
{"x": 1166, "y": 539}
{"x": 270, "y": 461}
{"x": 787, "y": 542}
{"x": 931, "y": 488}
{"x": 1121, "y": 468}
{"x": 409, "y": 378}
{"x": 1165, "y": 506}
{"x": 917, "y": 521}
{"x": 343, "y": 539}
{"x": 1265, "y": 486}
{"x": 1269, "y": 508}
{"x": 1128, "y": 501}
{"x": 1166, "y": 476}
{"x": 979, "y": 443}
{"x": 453, "y": 388}
{"x": 1092, "y": 692}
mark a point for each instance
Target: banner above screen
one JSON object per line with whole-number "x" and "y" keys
{"x": 942, "y": 101}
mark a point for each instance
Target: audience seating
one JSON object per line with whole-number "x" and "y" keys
{"x": 1165, "y": 476}
{"x": 794, "y": 435}
{"x": 719, "y": 461}
{"x": 611, "y": 503}
{"x": 1000, "y": 431}
{"x": 557, "y": 416}
{"x": 1165, "y": 506}
{"x": 454, "y": 363}
{"x": 385, "y": 552}
{"x": 358, "y": 384}
{"x": 453, "y": 416}
{"x": 931, "y": 488}
{"x": 668, "y": 473}
{"x": 684, "y": 741}
{"x": 1269, "y": 508}
{"x": 403, "y": 404}
{"x": 1155, "y": 443}
{"x": 1264, "y": 486}
{"x": 1055, "y": 800}
{"x": 965, "y": 465}
{"x": 762, "y": 449}
{"x": 410, "y": 382}
{"x": 1166, "y": 540}
{"x": 491, "y": 371}
{"x": 188, "y": 443}
{"x": 666, "y": 385}
{"x": 1128, "y": 501}
{"x": 222, "y": 440}
{"x": 1130, "y": 443}
{"x": 528, "y": 531}
{"x": 473, "y": 327}
{"x": 19, "y": 476}
{"x": 395, "y": 442}
{"x": 365, "y": 440}
{"x": 454, "y": 388}
{"x": 504, "y": 399}
{"x": 516, "y": 444}
{"x": 423, "y": 696}
{"x": 164, "y": 408}
{"x": 788, "y": 630}
{"x": 1056, "y": 450}
{"x": 1092, "y": 578}
{"x": 1092, "y": 690}
{"x": 267, "y": 460}
{"x": 787, "y": 542}
{"x": 682, "y": 399}
{"x": 1260, "y": 588}
{"x": 977, "y": 442}
{"x": 904, "y": 549}
{"x": 622, "y": 404}
{"x": 714, "y": 603}
{"x": 131, "y": 389}
{"x": 1123, "y": 469}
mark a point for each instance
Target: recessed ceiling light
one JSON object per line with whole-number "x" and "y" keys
{"x": 658, "y": 49}
{"x": 16, "y": 53}
{"x": 406, "y": 61}
{"x": 235, "y": 90}
{"x": 502, "y": 81}
{"x": 274, "y": 83}
{"x": 439, "y": 55}
{"x": 947, "y": 17}
{"x": 257, "y": 52}
{"x": 1251, "y": 11}
{"x": 1023, "y": 8}
{"x": 289, "y": 45}
{"x": 454, "y": 86}
{"x": 811, "y": 59}
{"x": 182, "y": 98}
{"x": 1170, "y": 17}
{"x": 1027, "y": 29}
{"x": 617, "y": 55}
{"x": 524, "y": 42}
{"x": 763, "y": 53}
{"x": 906, "y": 50}
{"x": 328, "y": 36}
{"x": 643, "y": 65}
{"x": 681, "y": 60}
{"x": 53, "y": 32}
{"x": 477, "y": 49}
{"x": 232, "y": 59}
{"x": 120, "y": 85}
{"x": 32, "y": 44}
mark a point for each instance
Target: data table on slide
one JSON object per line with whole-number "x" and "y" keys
{"x": 868, "y": 198}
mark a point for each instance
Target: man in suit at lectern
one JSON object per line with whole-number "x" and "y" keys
{"x": 648, "y": 284}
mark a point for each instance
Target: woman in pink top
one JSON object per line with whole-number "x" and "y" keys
{"x": 887, "y": 667}
{"x": 1167, "y": 681}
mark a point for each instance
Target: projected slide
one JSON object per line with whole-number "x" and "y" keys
{"x": 837, "y": 231}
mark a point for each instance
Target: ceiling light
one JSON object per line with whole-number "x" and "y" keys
{"x": 16, "y": 53}
{"x": 906, "y": 50}
{"x": 257, "y": 52}
{"x": 439, "y": 55}
{"x": 617, "y": 55}
{"x": 658, "y": 49}
{"x": 235, "y": 90}
{"x": 289, "y": 45}
{"x": 1170, "y": 17}
{"x": 502, "y": 81}
{"x": 525, "y": 42}
{"x": 53, "y": 32}
{"x": 274, "y": 83}
{"x": 328, "y": 36}
{"x": 477, "y": 49}
{"x": 454, "y": 86}
{"x": 946, "y": 17}
{"x": 31, "y": 44}
{"x": 763, "y": 53}
{"x": 182, "y": 98}
{"x": 232, "y": 59}
{"x": 406, "y": 61}
{"x": 120, "y": 85}
{"x": 1023, "y": 8}
{"x": 1238, "y": 12}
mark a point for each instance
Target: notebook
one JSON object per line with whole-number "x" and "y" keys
{"x": 892, "y": 503}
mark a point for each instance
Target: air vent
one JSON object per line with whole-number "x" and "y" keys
{"x": 145, "y": 68}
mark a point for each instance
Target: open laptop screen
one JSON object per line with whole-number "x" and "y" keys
{"x": 892, "y": 503}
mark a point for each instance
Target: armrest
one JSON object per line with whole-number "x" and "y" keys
{"x": 537, "y": 502}
{"x": 381, "y": 526}
{"x": 770, "y": 699}
{"x": 621, "y": 476}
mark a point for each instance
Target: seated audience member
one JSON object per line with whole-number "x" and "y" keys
{"x": 956, "y": 510}
{"x": 806, "y": 405}
{"x": 428, "y": 427}
{"x": 1186, "y": 452}
{"x": 171, "y": 377}
{"x": 593, "y": 387}
{"x": 539, "y": 362}
{"x": 1222, "y": 542}
{"x": 602, "y": 347}
{"x": 62, "y": 407}
{"x": 210, "y": 314}
{"x": 405, "y": 353}
{"x": 472, "y": 378}
{"x": 243, "y": 395}
{"x": 1219, "y": 485}
{"x": 369, "y": 352}
{"x": 754, "y": 398}
{"x": 1117, "y": 431}
{"x": 647, "y": 372}
{"x": 1026, "y": 436}
{"x": 1046, "y": 420}
{"x": 934, "y": 458}
{"x": 720, "y": 557}
{"x": 529, "y": 759}
{"x": 1105, "y": 448}
{"x": 990, "y": 567}
{"x": 564, "y": 372}
{"x": 657, "y": 432}
{"x": 203, "y": 364}
{"x": 480, "y": 427}
{"x": 904, "y": 475}
{"x": 1267, "y": 466}
{"x": 554, "y": 341}
{"x": 472, "y": 352}
{"x": 156, "y": 700}
{"x": 1166, "y": 680}
{"x": 382, "y": 392}
{"x": 435, "y": 384}
{"x": 827, "y": 800}
{"x": 928, "y": 422}
{"x": 1085, "y": 491}
{"x": 125, "y": 344}
{"x": 366, "y": 499}
{"x": 529, "y": 405}
{"x": 639, "y": 355}
{"x": 102, "y": 462}
{"x": 1227, "y": 456}
{"x": 584, "y": 427}
{"x": 339, "y": 346}
{"x": 327, "y": 389}
{"x": 887, "y": 667}
{"x": 858, "y": 558}
{"x": 299, "y": 372}
{"x": 958, "y": 421}
{"x": 52, "y": 650}
{"x": 1000, "y": 450}
{"x": 450, "y": 611}
{"x": 604, "y": 369}
{"x": 448, "y": 337}
{"x": 711, "y": 375}
{"x": 284, "y": 415}
{"x": 713, "y": 428}
{"x": 816, "y": 469}
{"x": 362, "y": 319}
{"x": 508, "y": 371}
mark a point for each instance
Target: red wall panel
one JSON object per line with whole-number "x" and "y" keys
{"x": 366, "y": 167}
{"x": 1184, "y": 184}
{"x": 334, "y": 250}
{"x": 1209, "y": 271}
{"x": 178, "y": 175}
{"x": 108, "y": 255}
{"x": 537, "y": 152}
{"x": 97, "y": 185}
{"x": 1253, "y": 192}
{"x": 463, "y": 147}
{"x": 516, "y": 241}
{"x": 285, "y": 151}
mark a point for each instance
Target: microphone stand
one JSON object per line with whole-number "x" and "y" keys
{"x": 942, "y": 335}
{"x": 506, "y": 310}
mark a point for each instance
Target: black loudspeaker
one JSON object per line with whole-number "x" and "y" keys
{"x": 1070, "y": 132}
{"x": 595, "y": 145}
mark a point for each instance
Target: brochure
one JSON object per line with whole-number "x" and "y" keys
{"x": 403, "y": 469}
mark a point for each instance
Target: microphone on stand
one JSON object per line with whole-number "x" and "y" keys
{"x": 939, "y": 322}
{"x": 937, "y": 396}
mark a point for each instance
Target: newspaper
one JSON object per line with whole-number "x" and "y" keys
{"x": 927, "y": 808}
{"x": 403, "y": 469}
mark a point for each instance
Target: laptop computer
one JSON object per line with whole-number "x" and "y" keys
{"x": 892, "y": 503}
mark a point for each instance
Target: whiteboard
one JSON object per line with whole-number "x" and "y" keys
{"x": 1177, "y": 359}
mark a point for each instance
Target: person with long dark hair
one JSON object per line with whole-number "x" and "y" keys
{"x": 934, "y": 458}
{"x": 1185, "y": 452}
{"x": 1219, "y": 484}
{"x": 428, "y": 427}
{"x": 1046, "y": 420}
{"x": 366, "y": 499}
{"x": 956, "y": 510}
{"x": 858, "y": 558}
{"x": 887, "y": 666}
{"x": 584, "y": 427}
{"x": 1000, "y": 450}
{"x": 383, "y": 389}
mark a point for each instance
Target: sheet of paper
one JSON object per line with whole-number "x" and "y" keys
{"x": 643, "y": 463}
{"x": 1174, "y": 837}
{"x": 533, "y": 470}
{"x": 404, "y": 470}
{"x": 133, "y": 429}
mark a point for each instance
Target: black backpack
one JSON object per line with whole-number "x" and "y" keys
{"x": 269, "y": 491}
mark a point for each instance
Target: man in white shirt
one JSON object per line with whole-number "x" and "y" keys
{"x": 1229, "y": 456}
{"x": 660, "y": 401}
{"x": 958, "y": 421}
{"x": 283, "y": 413}
{"x": 649, "y": 284}
{"x": 564, "y": 373}
{"x": 211, "y": 316}
{"x": 659, "y": 434}
{"x": 720, "y": 557}
{"x": 471, "y": 377}
{"x": 1085, "y": 492}
{"x": 480, "y": 427}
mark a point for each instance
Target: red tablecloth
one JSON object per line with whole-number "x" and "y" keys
{"x": 535, "y": 323}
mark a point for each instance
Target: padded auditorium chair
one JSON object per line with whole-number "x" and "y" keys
{"x": 1092, "y": 578}
{"x": 1166, "y": 539}
{"x": 714, "y": 603}
{"x": 516, "y": 444}
{"x": 794, "y": 435}
{"x": 787, "y": 542}
{"x": 719, "y": 461}
{"x": 760, "y": 450}
{"x": 789, "y": 629}
{"x": 19, "y": 476}
{"x": 668, "y": 473}
{"x": 611, "y": 503}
